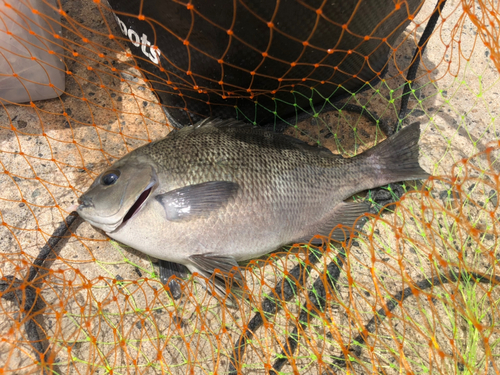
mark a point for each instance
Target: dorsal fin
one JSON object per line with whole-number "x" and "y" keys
{"x": 316, "y": 148}
{"x": 300, "y": 144}
{"x": 220, "y": 123}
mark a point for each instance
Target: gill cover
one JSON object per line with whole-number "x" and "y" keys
{"x": 114, "y": 193}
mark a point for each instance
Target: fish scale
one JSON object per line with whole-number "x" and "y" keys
{"x": 221, "y": 191}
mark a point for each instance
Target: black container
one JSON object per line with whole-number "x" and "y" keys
{"x": 261, "y": 61}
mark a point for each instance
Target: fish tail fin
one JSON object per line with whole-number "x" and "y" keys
{"x": 396, "y": 158}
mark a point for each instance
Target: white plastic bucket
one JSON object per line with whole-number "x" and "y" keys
{"x": 31, "y": 66}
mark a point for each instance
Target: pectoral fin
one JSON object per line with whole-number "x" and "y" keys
{"x": 345, "y": 214}
{"x": 196, "y": 200}
{"x": 167, "y": 270}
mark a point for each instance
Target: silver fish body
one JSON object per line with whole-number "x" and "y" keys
{"x": 220, "y": 192}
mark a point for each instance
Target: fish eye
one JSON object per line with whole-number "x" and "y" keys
{"x": 110, "y": 178}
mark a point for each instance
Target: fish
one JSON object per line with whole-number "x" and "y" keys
{"x": 220, "y": 192}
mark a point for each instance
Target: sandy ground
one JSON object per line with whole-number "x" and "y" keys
{"x": 50, "y": 153}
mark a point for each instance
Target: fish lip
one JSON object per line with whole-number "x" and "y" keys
{"x": 149, "y": 189}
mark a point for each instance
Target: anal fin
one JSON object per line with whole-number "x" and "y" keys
{"x": 345, "y": 214}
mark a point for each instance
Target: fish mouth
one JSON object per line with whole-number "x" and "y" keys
{"x": 139, "y": 203}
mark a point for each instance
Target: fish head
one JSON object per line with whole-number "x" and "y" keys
{"x": 118, "y": 194}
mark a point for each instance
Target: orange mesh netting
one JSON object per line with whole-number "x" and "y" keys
{"x": 415, "y": 292}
